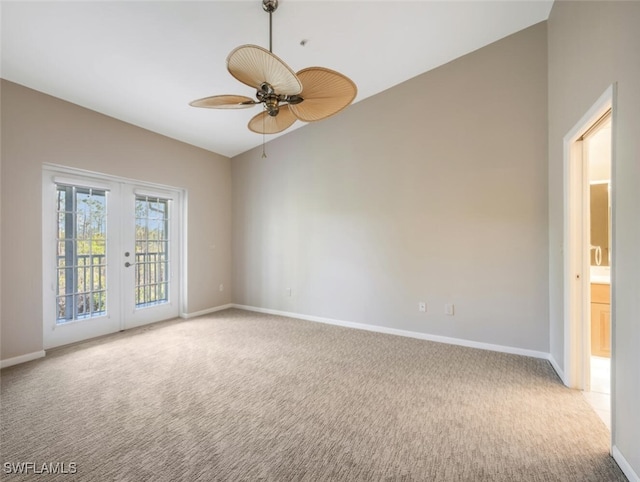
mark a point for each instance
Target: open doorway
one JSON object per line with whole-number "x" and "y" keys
{"x": 596, "y": 143}
{"x": 589, "y": 260}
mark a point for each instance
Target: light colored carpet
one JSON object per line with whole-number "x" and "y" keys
{"x": 237, "y": 396}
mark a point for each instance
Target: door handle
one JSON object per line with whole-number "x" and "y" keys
{"x": 127, "y": 264}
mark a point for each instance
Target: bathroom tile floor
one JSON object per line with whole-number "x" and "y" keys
{"x": 600, "y": 395}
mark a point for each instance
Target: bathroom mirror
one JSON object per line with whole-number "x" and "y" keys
{"x": 599, "y": 194}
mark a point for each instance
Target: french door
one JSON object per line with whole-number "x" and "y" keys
{"x": 111, "y": 255}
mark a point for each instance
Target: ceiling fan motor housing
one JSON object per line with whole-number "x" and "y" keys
{"x": 267, "y": 95}
{"x": 272, "y": 105}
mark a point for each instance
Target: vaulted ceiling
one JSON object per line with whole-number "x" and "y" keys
{"x": 143, "y": 62}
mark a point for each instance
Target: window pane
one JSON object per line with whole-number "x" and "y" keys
{"x": 81, "y": 253}
{"x": 152, "y": 216}
{"x": 61, "y": 198}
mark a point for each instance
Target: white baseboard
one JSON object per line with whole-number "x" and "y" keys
{"x": 624, "y": 465}
{"x": 39, "y": 354}
{"x": 21, "y": 359}
{"x": 406, "y": 333}
{"x": 556, "y": 367}
{"x": 187, "y": 316}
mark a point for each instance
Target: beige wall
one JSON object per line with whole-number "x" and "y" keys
{"x": 37, "y": 128}
{"x": 591, "y": 46}
{"x": 435, "y": 190}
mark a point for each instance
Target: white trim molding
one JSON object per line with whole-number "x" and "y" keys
{"x": 575, "y": 234}
{"x": 406, "y": 333}
{"x": 195, "y": 314}
{"x": 16, "y": 360}
{"x": 625, "y": 466}
{"x": 556, "y": 367}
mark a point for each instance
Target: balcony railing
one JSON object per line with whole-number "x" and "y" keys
{"x": 82, "y": 286}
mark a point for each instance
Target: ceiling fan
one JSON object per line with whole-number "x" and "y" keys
{"x": 312, "y": 94}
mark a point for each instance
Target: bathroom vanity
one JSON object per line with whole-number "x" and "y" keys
{"x": 601, "y": 319}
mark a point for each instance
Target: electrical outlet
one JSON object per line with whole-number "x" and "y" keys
{"x": 288, "y": 290}
{"x": 448, "y": 309}
{"x": 422, "y": 306}
{"x": 221, "y": 287}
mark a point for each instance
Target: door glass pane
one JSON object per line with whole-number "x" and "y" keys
{"x": 152, "y": 251}
{"x": 81, "y": 273}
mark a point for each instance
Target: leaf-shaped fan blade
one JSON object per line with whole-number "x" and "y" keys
{"x": 325, "y": 93}
{"x": 253, "y": 65}
{"x": 263, "y": 123}
{"x": 225, "y": 102}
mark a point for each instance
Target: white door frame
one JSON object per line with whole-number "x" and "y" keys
{"x": 50, "y": 173}
{"x": 576, "y": 258}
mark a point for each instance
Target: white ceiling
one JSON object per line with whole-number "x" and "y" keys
{"x": 143, "y": 62}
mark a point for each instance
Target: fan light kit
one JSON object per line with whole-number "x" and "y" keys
{"x": 312, "y": 94}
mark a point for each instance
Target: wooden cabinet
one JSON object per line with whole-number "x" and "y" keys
{"x": 601, "y": 320}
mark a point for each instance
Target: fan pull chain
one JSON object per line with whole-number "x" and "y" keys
{"x": 264, "y": 154}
